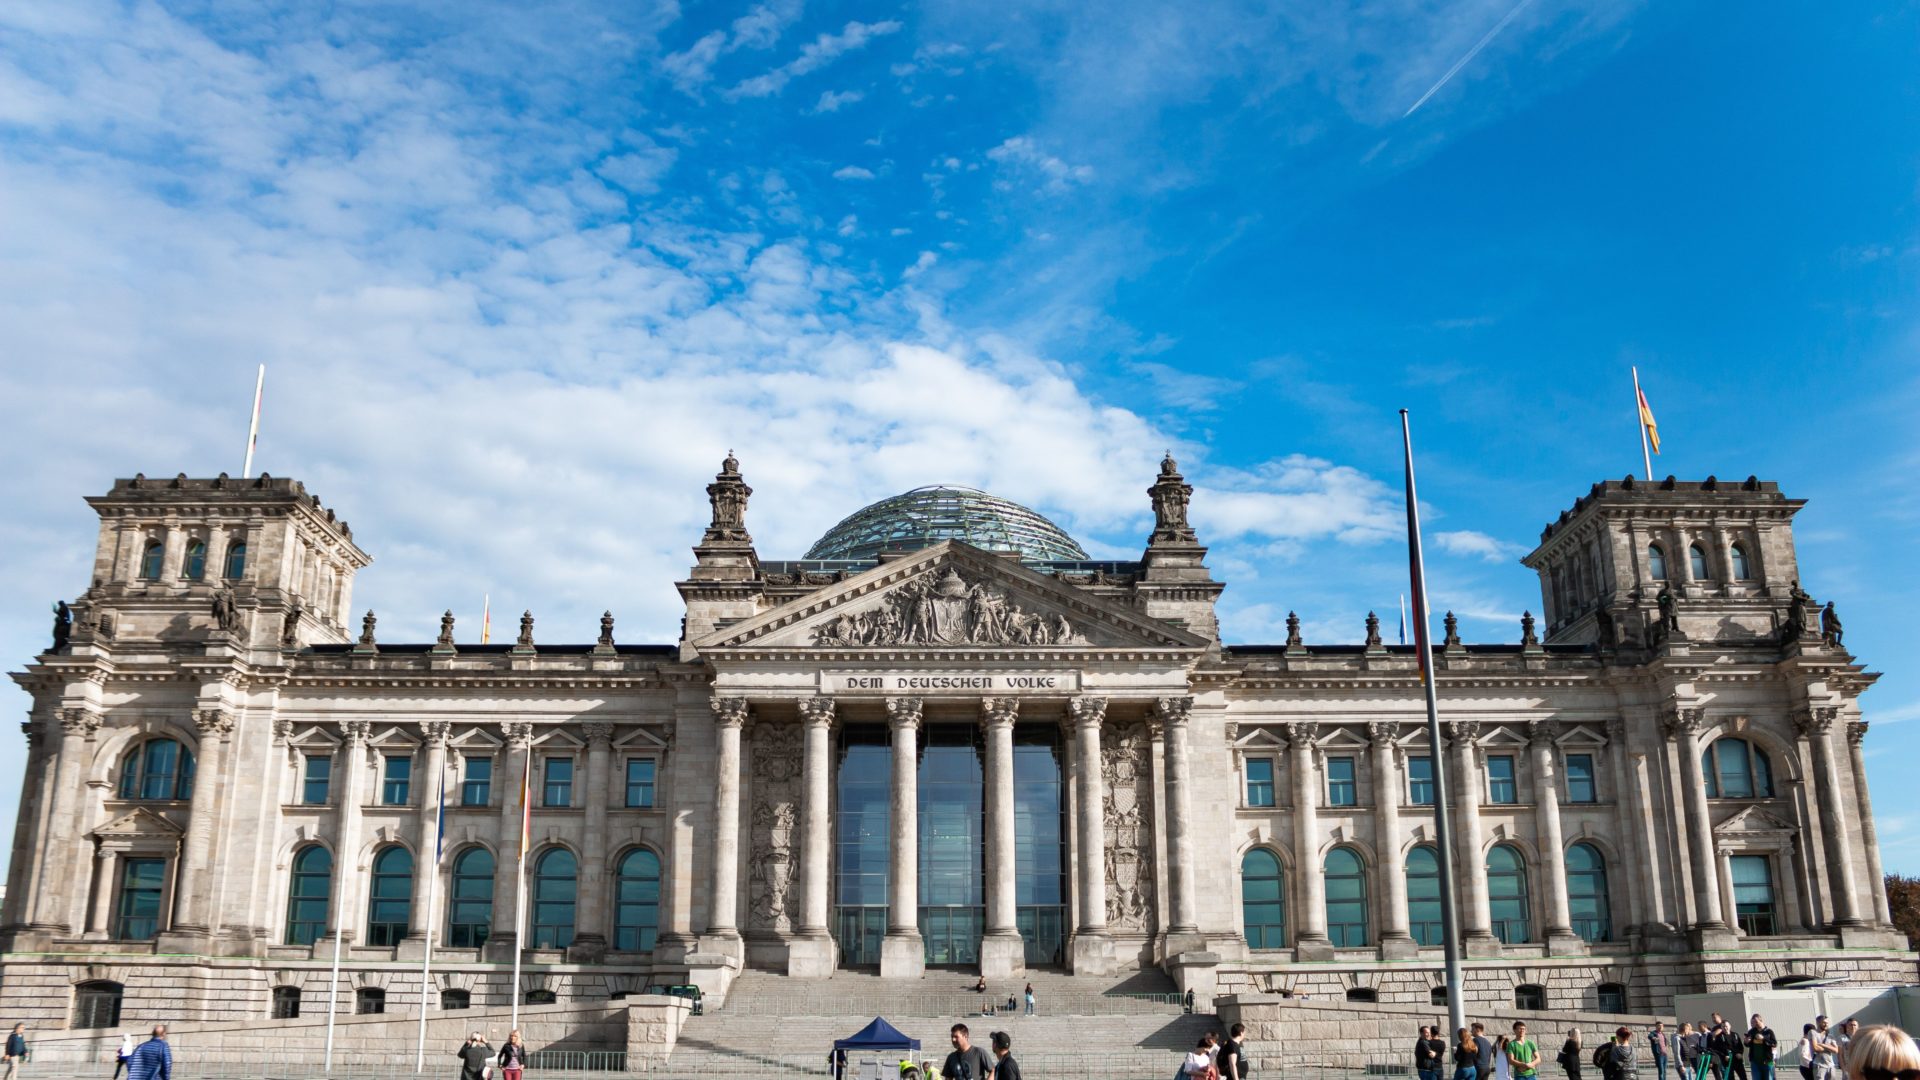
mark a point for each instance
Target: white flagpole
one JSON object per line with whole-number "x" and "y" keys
{"x": 1640, "y": 421}
{"x": 333, "y": 984}
{"x": 426, "y": 962}
{"x": 253, "y": 431}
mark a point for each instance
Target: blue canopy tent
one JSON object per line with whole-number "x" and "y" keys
{"x": 878, "y": 1035}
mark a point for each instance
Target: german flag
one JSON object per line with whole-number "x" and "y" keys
{"x": 1646, "y": 419}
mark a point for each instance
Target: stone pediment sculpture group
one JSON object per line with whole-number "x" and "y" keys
{"x": 947, "y": 609}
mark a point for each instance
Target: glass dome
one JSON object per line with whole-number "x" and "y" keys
{"x": 925, "y": 516}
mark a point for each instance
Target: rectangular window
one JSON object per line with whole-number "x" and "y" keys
{"x": 314, "y": 782}
{"x": 1341, "y": 790}
{"x": 557, "y": 785}
{"x": 1500, "y": 783}
{"x": 1753, "y": 894}
{"x": 396, "y": 780}
{"x": 640, "y": 782}
{"x": 476, "y": 782}
{"x": 141, "y": 883}
{"x": 1259, "y": 781}
{"x": 1420, "y": 781}
{"x": 1580, "y": 787}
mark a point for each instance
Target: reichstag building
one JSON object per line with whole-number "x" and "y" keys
{"x": 943, "y": 738}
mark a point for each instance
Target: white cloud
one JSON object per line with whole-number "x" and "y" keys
{"x": 691, "y": 69}
{"x": 817, "y": 54}
{"x": 1477, "y": 545}
{"x": 852, "y": 172}
{"x": 833, "y": 101}
{"x": 1300, "y": 498}
{"x": 920, "y": 266}
{"x": 848, "y": 226}
{"x": 1024, "y": 154}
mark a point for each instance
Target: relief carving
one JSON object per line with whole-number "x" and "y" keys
{"x": 947, "y": 609}
{"x": 773, "y": 900}
{"x": 1127, "y": 774}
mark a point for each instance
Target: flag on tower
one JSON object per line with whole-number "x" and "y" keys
{"x": 486, "y": 618}
{"x": 1646, "y": 419}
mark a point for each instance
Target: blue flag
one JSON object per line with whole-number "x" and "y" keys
{"x": 440, "y": 824}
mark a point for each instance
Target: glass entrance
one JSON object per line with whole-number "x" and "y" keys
{"x": 862, "y": 828}
{"x": 1040, "y": 846}
{"x": 952, "y": 827}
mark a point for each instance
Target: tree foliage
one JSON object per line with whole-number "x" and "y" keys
{"x": 1903, "y": 902}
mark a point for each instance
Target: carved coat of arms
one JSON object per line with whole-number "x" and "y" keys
{"x": 947, "y": 609}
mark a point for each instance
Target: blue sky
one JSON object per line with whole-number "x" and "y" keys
{"x": 523, "y": 274}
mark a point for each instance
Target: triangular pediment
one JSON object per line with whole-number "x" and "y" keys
{"x": 139, "y": 821}
{"x": 951, "y": 596}
{"x": 1751, "y": 820}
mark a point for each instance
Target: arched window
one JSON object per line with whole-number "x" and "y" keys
{"x": 470, "y": 910}
{"x": 369, "y": 1000}
{"x": 1697, "y": 558}
{"x": 1587, "y": 893}
{"x": 236, "y": 560}
{"x": 196, "y": 559}
{"x": 1423, "y": 896}
{"x": 541, "y": 997}
{"x": 392, "y": 896}
{"x": 1742, "y": 567}
{"x": 1507, "y": 894}
{"x": 455, "y": 999}
{"x": 636, "y": 902}
{"x": 158, "y": 769}
{"x": 286, "y": 1003}
{"x": 555, "y": 889}
{"x": 1346, "y": 878}
{"x": 151, "y": 561}
{"x": 1611, "y": 997}
{"x": 1263, "y": 899}
{"x": 307, "y": 895}
{"x": 96, "y": 1004}
{"x": 1656, "y": 562}
{"x": 1530, "y": 997}
{"x": 1437, "y": 996}
{"x": 1736, "y": 769}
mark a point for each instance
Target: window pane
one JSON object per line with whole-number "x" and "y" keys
{"x": 318, "y": 775}
{"x": 1753, "y": 893}
{"x": 150, "y": 563}
{"x": 399, "y": 777}
{"x": 1500, "y": 782}
{"x": 1699, "y": 558}
{"x": 1587, "y": 893}
{"x": 236, "y": 560}
{"x": 558, "y": 783}
{"x": 1346, "y": 886}
{"x": 476, "y": 781}
{"x": 1742, "y": 569}
{"x": 196, "y": 566}
{"x": 1259, "y": 781}
{"x": 470, "y": 910}
{"x": 637, "y": 903}
{"x": 389, "y": 902}
{"x": 1341, "y": 789}
{"x": 1656, "y": 562}
{"x": 1736, "y": 778}
{"x": 1580, "y": 786}
{"x": 555, "y": 891}
{"x": 1507, "y": 895}
{"x": 1420, "y": 781}
{"x": 141, "y": 883}
{"x": 1423, "y": 896}
{"x": 640, "y": 782}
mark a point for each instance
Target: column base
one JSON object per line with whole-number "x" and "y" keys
{"x": 1091, "y": 953}
{"x": 1859, "y": 936}
{"x": 1182, "y": 940}
{"x": 1564, "y": 942}
{"x": 411, "y": 947}
{"x": 1002, "y": 954}
{"x": 1399, "y": 947}
{"x": 670, "y": 950}
{"x": 587, "y": 949}
{"x": 812, "y": 955}
{"x": 903, "y": 955}
{"x": 190, "y": 939}
{"x": 1712, "y": 936}
{"x": 499, "y": 948}
{"x": 1482, "y": 945}
{"x": 713, "y": 972}
{"x": 1312, "y": 947}
{"x": 1196, "y": 973}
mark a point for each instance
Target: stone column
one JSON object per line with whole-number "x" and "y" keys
{"x": 1395, "y": 942}
{"x": 1310, "y": 941}
{"x": 1561, "y": 940}
{"x": 503, "y": 935}
{"x": 1633, "y": 891}
{"x": 191, "y": 902}
{"x": 813, "y": 952}
{"x": 590, "y": 943}
{"x": 1172, "y": 714}
{"x": 902, "y": 952}
{"x": 1092, "y": 949}
{"x": 1476, "y": 920}
{"x": 346, "y": 842}
{"x": 29, "y": 841}
{"x": 1816, "y": 726}
{"x": 1683, "y": 727}
{"x": 1002, "y": 950}
{"x": 426, "y": 894}
{"x": 723, "y": 901}
{"x": 100, "y": 921}
{"x": 53, "y": 895}
{"x": 1856, "y": 734}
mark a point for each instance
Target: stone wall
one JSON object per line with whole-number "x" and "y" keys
{"x": 1289, "y": 1032}
{"x": 644, "y": 1028}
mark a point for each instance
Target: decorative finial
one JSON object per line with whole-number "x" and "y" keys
{"x": 1453, "y": 630}
{"x": 446, "y": 629}
{"x": 606, "y": 628}
{"x": 1373, "y": 629}
{"x": 1527, "y": 636}
{"x": 366, "y": 627}
{"x": 1170, "y": 494}
{"x": 728, "y": 494}
{"x": 526, "y": 631}
{"x": 1293, "y": 630}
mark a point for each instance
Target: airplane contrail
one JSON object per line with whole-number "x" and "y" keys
{"x": 1471, "y": 53}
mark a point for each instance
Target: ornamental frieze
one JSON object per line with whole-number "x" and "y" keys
{"x": 947, "y": 609}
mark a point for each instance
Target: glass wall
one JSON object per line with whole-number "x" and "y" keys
{"x": 952, "y": 821}
{"x": 1040, "y": 844}
{"x": 861, "y": 826}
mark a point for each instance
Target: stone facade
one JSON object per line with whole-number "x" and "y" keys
{"x": 1665, "y": 796}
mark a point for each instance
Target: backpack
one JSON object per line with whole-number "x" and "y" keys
{"x": 1600, "y": 1055}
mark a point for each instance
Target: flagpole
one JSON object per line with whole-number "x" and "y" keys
{"x": 253, "y": 431}
{"x": 1442, "y": 830}
{"x": 1640, "y": 421}
{"x": 433, "y": 887}
{"x": 486, "y": 617}
{"x": 520, "y": 883}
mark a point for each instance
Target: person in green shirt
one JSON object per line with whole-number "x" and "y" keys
{"x": 1522, "y": 1054}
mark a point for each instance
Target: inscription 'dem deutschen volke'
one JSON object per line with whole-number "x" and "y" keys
{"x": 951, "y": 682}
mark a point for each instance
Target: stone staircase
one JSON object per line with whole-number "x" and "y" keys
{"x": 775, "y": 1026}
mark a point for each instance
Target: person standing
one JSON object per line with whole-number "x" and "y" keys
{"x": 125, "y": 1052}
{"x": 967, "y": 1062}
{"x": 1483, "y": 1064}
{"x": 1004, "y": 1067}
{"x": 1466, "y": 1056}
{"x": 474, "y": 1057}
{"x": 1761, "y": 1044}
{"x": 16, "y": 1050}
{"x": 1622, "y": 1063}
{"x": 1686, "y": 1046}
{"x": 1502, "y": 1068}
{"x": 1425, "y": 1062}
{"x": 1437, "y": 1047}
{"x": 1230, "y": 1060}
{"x": 1806, "y": 1052}
{"x": 513, "y": 1056}
{"x": 1661, "y": 1045}
{"x": 1845, "y": 1040}
{"x": 1825, "y": 1050}
{"x": 153, "y": 1059}
{"x": 1029, "y": 999}
{"x": 1523, "y": 1056}
{"x": 1198, "y": 1063}
{"x": 1570, "y": 1054}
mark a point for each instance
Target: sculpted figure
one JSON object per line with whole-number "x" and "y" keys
{"x": 290, "y": 630}
{"x": 226, "y": 616}
{"x": 1669, "y": 609}
{"x": 62, "y": 625}
{"x": 1797, "y": 604}
{"x": 1830, "y": 630}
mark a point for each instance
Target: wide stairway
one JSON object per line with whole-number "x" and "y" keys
{"x": 775, "y": 1026}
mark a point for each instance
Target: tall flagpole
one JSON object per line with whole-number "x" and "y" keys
{"x": 1442, "y": 829}
{"x": 1640, "y": 421}
{"x": 520, "y": 883}
{"x": 253, "y": 431}
{"x": 433, "y": 887}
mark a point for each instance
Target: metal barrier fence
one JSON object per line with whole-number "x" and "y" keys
{"x": 929, "y": 1003}
{"x": 1162, "y": 1066}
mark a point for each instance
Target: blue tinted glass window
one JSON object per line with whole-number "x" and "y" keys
{"x": 555, "y": 892}
{"x": 1501, "y": 787}
{"x": 1420, "y": 781}
{"x": 636, "y": 904}
{"x": 141, "y": 883}
{"x": 1259, "y": 781}
{"x": 1580, "y": 788}
{"x": 1341, "y": 789}
{"x": 391, "y": 897}
{"x": 640, "y": 782}
{"x": 1346, "y": 884}
{"x": 557, "y": 782}
{"x": 470, "y": 906}
{"x": 236, "y": 560}
{"x": 397, "y": 779}
{"x": 1423, "y": 896}
{"x": 307, "y": 895}
{"x": 1507, "y": 895}
{"x": 476, "y": 781}
{"x": 316, "y": 781}
{"x": 1263, "y": 900}
{"x": 1587, "y": 893}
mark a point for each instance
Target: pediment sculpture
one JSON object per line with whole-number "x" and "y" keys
{"x": 946, "y": 608}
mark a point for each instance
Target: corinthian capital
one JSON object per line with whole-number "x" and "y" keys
{"x": 599, "y": 734}
{"x": 518, "y": 733}
{"x": 213, "y": 720}
{"x": 1173, "y": 711}
{"x": 1300, "y": 735}
{"x": 1815, "y": 722}
{"x": 1682, "y": 721}
{"x": 1540, "y": 735}
{"x": 1382, "y": 732}
{"x": 1462, "y": 733}
{"x": 1856, "y": 732}
{"x": 434, "y": 732}
{"x": 904, "y": 712}
{"x": 999, "y": 711}
{"x": 816, "y": 710}
{"x": 356, "y": 732}
{"x": 730, "y": 712}
{"x": 79, "y": 721}
{"x": 1087, "y": 711}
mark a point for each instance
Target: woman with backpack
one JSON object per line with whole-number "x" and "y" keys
{"x": 1570, "y": 1054}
